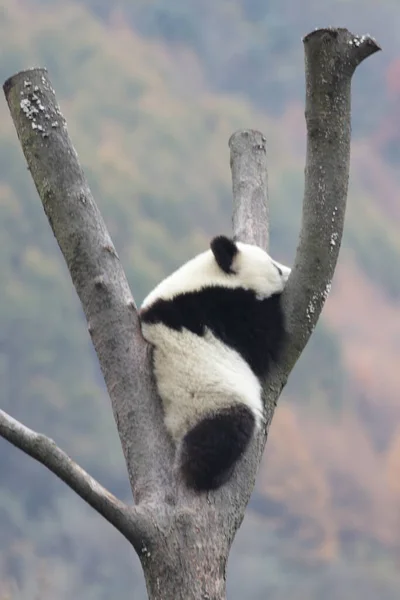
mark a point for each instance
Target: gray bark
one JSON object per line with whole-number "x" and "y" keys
{"x": 183, "y": 539}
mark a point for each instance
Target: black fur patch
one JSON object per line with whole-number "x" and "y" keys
{"x": 211, "y": 449}
{"x": 252, "y": 327}
{"x": 224, "y": 250}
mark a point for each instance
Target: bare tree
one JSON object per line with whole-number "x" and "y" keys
{"x": 183, "y": 538}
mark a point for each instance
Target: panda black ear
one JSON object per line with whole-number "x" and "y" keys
{"x": 224, "y": 250}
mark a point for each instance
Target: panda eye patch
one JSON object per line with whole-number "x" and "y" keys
{"x": 278, "y": 269}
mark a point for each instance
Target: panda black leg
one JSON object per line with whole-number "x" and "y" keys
{"x": 211, "y": 449}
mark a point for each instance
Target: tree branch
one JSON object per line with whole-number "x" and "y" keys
{"x": 331, "y": 57}
{"x": 250, "y": 187}
{"x": 129, "y": 521}
{"x": 98, "y": 277}
{"x": 250, "y": 222}
{"x": 190, "y": 534}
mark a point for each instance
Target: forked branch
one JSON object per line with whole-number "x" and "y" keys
{"x": 98, "y": 277}
{"x": 190, "y": 534}
{"x": 331, "y": 57}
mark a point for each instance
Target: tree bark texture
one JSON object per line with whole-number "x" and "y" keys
{"x": 182, "y": 538}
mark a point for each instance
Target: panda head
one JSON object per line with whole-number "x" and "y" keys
{"x": 249, "y": 267}
{"x": 227, "y": 264}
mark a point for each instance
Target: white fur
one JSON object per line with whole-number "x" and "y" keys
{"x": 198, "y": 375}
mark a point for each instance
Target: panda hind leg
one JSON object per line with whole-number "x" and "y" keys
{"x": 211, "y": 448}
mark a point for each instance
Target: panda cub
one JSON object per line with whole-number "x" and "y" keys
{"x": 215, "y": 325}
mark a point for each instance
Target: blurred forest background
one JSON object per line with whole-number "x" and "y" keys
{"x": 152, "y": 90}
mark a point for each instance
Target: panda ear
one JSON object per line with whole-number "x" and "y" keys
{"x": 224, "y": 250}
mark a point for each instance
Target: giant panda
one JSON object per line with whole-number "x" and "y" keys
{"x": 215, "y": 325}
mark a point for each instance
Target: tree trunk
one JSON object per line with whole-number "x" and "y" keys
{"x": 182, "y": 538}
{"x": 186, "y": 567}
